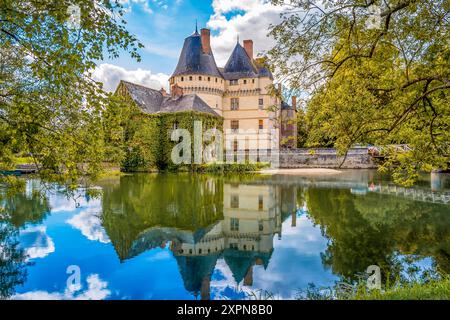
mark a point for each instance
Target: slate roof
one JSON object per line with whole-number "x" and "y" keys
{"x": 193, "y": 61}
{"x": 239, "y": 65}
{"x": 285, "y": 106}
{"x": 189, "y": 102}
{"x": 152, "y": 101}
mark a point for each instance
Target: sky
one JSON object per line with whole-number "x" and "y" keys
{"x": 162, "y": 26}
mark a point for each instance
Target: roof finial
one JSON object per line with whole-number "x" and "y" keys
{"x": 238, "y": 38}
{"x": 196, "y": 26}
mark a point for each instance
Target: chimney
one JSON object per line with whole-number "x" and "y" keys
{"x": 248, "y": 279}
{"x": 176, "y": 91}
{"x": 163, "y": 92}
{"x": 294, "y": 103}
{"x": 248, "y": 46}
{"x": 206, "y": 40}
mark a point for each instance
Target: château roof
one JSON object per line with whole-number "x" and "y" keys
{"x": 153, "y": 101}
{"x": 239, "y": 65}
{"x": 194, "y": 61}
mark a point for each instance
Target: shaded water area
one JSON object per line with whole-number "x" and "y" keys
{"x": 187, "y": 236}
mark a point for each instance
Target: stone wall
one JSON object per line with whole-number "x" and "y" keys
{"x": 357, "y": 158}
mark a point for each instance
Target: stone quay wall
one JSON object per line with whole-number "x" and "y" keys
{"x": 357, "y": 158}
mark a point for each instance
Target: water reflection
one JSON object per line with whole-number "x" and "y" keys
{"x": 225, "y": 237}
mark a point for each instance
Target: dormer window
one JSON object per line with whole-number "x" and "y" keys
{"x": 234, "y": 82}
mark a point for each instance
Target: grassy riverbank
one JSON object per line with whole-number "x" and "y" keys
{"x": 433, "y": 290}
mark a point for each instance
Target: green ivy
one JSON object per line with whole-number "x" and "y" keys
{"x": 147, "y": 138}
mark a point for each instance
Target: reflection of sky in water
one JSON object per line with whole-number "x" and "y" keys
{"x": 295, "y": 262}
{"x": 73, "y": 235}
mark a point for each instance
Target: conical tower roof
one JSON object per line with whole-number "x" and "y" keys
{"x": 240, "y": 65}
{"x": 193, "y": 60}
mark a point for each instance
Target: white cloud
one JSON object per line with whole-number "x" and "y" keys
{"x": 36, "y": 242}
{"x": 97, "y": 290}
{"x": 90, "y": 225}
{"x": 252, "y": 22}
{"x": 110, "y": 75}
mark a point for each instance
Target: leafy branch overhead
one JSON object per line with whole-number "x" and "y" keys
{"x": 378, "y": 72}
{"x": 50, "y": 108}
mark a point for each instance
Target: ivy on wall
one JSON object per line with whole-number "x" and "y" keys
{"x": 147, "y": 141}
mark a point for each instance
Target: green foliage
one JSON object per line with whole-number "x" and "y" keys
{"x": 384, "y": 86}
{"x": 143, "y": 202}
{"x": 144, "y": 140}
{"x": 432, "y": 290}
{"x": 50, "y": 108}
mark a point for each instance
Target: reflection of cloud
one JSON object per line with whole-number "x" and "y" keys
{"x": 90, "y": 225}
{"x": 97, "y": 290}
{"x": 36, "y": 243}
{"x": 162, "y": 255}
{"x": 223, "y": 285}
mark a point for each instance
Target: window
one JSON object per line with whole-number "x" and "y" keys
{"x": 182, "y": 79}
{"x": 260, "y": 202}
{"x": 216, "y": 80}
{"x": 260, "y": 225}
{"x": 234, "y": 203}
{"x": 234, "y": 224}
{"x": 234, "y": 103}
{"x": 234, "y": 82}
{"x": 261, "y": 124}
{"x": 200, "y": 78}
{"x": 209, "y": 78}
{"x": 175, "y": 125}
{"x": 199, "y": 251}
{"x": 261, "y": 103}
{"x": 234, "y": 246}
{"x": 235, "y": 145}
{"x": 253, "y": 81}
{"x": 245, "y": 81}
{"x": 190, "y": 78}
{"x": 234, "y": 125}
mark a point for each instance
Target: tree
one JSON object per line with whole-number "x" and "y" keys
{"x": 384, "y": 82}
{"x": 50, "y": 108}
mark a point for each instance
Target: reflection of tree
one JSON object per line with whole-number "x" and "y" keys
{"x": 141, "y": 202}
{"x": 373, "y": 229}
{"x": 12, "y": 261}
{"x": 22, "y": 208}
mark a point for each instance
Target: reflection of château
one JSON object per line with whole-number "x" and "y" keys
{"x": 243, "y": 236}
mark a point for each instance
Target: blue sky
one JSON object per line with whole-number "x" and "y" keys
{"x": 162, "y": 31}
{"x": 162, "y": 26}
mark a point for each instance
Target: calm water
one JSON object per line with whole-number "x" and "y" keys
{"x": 192, "y": 237}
